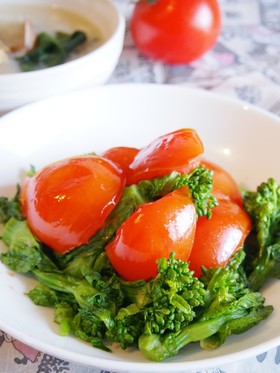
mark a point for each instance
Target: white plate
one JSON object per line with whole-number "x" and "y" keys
{"x": 239, "y": 137}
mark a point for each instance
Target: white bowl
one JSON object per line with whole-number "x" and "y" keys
{"x": 237, "y": 136}
{"x": 93, "y": 68}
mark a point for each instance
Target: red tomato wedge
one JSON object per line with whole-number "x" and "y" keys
{"x": 122, "y": 156}
{"x": 180, "y": 151}
{"x": 224, "y": 185}
{"x": 153, "y": 231}
{"x": 68, "y": 201}
{"x": 218, "y": 238}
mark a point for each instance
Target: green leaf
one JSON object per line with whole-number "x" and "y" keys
{"x": 23, "y": 253}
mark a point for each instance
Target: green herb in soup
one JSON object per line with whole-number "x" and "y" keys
{"x": 50, "y": 51}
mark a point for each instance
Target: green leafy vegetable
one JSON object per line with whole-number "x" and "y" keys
{"x": 50, "y": 51}
{"x": 24, "y": 253}
{"x": 263, "y": 205}
{"x": 229, "y": 308}
{"x": 166, "y": 313}
{"x": 225, "y": 285}
{"x": 87, "y": 306}
{"x": 161, "y": 305}
{"x": 10, "y": 207}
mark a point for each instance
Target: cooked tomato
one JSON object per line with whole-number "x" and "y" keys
{"x": 67, "y": 201}
{"x": 175, "y": 32}
{"x": 153, "y": 231}
{"x": 121, "y": 156}
{"x": 224, "y": 185}
{"x": 218, "y": 238}
{"x": 180, "y": 151}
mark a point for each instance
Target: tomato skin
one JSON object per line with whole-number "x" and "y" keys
{"x": 122, "y": 156}
{"x": 224, "y": 185}
{"x": 181, "y": 151}
{"x": 153, "y": 231}
{"x": 175, "y": 32}
{"x": 67, "y": 201}
{"x": 218, "y": 238}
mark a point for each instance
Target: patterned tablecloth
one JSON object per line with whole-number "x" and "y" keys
{"x": 244, "y": 64}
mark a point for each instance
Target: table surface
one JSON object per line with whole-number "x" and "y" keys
{"x": 244, "y": 64}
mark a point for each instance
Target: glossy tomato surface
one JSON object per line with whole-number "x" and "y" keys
{"x": 224, "y": 185}
{"x": 218, "y": 238}
{"x": 175, "y": 31}
{"x": 153, "y": 231}
{"x": 122, "y": 156}
{"x": 181, "y": 151}
{"x": 67, "y": 201}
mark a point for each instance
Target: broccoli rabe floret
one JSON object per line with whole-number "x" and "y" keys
{"x": 128, "y": 326}
{"x": 161, "y": 305}
{"x": 175, "y": 295}
{"x": 226, "y": 285}
{"x": 199, "y": 182}
{"x": 263, "y": 205}
{"x": 263, "y": 248}
{"x": 157, "y": 348}
{"x": 224, "y": 312}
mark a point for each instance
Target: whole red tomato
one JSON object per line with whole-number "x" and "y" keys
{"x": 218, "y": 238}
{"x": 153, "y": 231}
{"x": 67, "y": 201}
{"x": 175, "y": 31}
